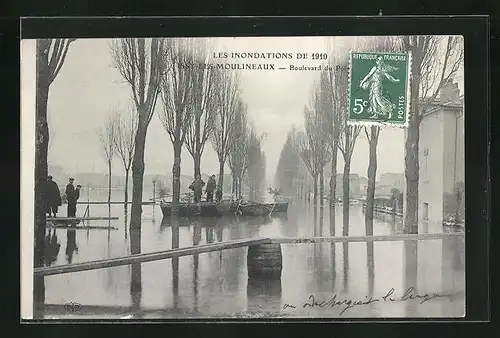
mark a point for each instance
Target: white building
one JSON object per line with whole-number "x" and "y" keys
{"x": 441, "y": 154}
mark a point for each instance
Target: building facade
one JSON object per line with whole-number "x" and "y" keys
{"x": 442, "y": 157}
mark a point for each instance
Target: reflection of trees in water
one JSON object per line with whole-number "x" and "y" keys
{"x": 52, "y": 247}
{"x": 332, "y": 222}
{"x": 264, "y": 295}
{"x": 345, "y": 250}
{"x": 289, "y": 224}
{"x": 370, "y": 266}
{"x": 71, "y": 246}
{"x": 334, "y": 265}
{"x": 453, "y": 265}
{"x": 136, "y": 269}
{"x": 175, "y": 261}
{"x": 410, "y": 273}
{"x": 196, "y": 241}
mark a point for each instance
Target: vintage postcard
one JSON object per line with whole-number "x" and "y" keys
{"x": 243, "y": 177}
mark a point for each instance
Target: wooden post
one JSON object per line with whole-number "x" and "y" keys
{"x": 264, "y": 261}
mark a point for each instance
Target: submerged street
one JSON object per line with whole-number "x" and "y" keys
{"x": 357, "y": 279}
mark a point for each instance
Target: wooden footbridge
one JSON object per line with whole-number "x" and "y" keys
{"x": 264, "y": 254}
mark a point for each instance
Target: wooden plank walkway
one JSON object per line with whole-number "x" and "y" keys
{"x": 147, "y": 257}
{"x": 73, "y": 219}
{"x": 382, "y": 238}
{"x": 154, "y": 256}
{"x": 112, "y": 202}
{"x": 82, "y": 227}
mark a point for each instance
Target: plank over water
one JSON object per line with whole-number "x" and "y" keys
{"x": 82, "y": 227}
{"x": 147, "y": 257}
{"x": 72, "y": 219}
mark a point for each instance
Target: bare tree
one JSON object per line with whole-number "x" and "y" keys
{"x": 239, "y": 155}
{"x": 203, "y": 107}
{"x": 288, "y": 175}
{"x": 177, "y": 95}
{"x": 322, "y": 109}
{"x": 435, "y": 61}
{"x": 50, "y": 57}
{"x": 306, "y": 153}
{"x": 316, "y": 152}
{"x": 107, "y": 138}
{"x": 257, "y": 168}
{"x": 126, "y": 129}
{"x": 372, "y": 138}
{"x": 228, "y": 102}
{"x": 348, "y": 136}
{"x": 140, "y": 62}
{"x": 374, "y": 44}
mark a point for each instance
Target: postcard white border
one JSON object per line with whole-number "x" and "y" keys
{"x": 27, "y": 198}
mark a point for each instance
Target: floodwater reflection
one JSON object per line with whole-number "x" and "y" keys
{"x": 216, "y": 284}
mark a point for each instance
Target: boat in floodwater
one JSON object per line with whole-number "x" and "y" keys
{"x": 225, "y": 208}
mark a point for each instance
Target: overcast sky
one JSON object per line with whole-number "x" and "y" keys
{"x": 88, "y": 88}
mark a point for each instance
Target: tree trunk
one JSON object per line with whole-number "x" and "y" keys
{"x": 315, "y": 188}
{"x": 412, "y": 176}
{"x": 138, "y": 177}
{"x": 41, "y": 168}
{"x": 197, "y": 164}
{"x": 126, "y": 189}
{"x": 345, "y": 197}
{"x": 176, "y": 174}
{"x": 109, "y": 182}
{"x": 221, "y": 174}
{"x": 240, "y": 180}
{"x": 333, "y": 176}
{"x": 321, "y": 187}
{"x": 234, "y": 187}
{"x": 372, "y": 172}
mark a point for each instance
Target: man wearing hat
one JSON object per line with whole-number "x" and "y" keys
{"x": 52, "y": 197}
{"x": 71, "y": 197}
{"x": 211, "y": 185}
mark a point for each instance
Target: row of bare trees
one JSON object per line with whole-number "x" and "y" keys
{"x": 435, "y": 60}
{"x": 198, "y": 104}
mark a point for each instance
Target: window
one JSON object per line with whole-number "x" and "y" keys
{"x": 426, "y": 211}
{"x": 425, "y": 178}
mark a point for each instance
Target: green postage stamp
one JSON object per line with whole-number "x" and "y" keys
{"x": 379, "y": 85}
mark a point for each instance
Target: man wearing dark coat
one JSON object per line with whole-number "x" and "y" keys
{"x": 197, "y": 187}
{"x": 52, "y": 197}
{"x": 211, "y": 185}
{"x": 71, "y": 197}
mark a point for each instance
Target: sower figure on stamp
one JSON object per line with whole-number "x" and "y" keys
{"x": 197, "y": 187}
{"x": 379, "y": 105}
{"x": 52, "y": 197}
{"x": 211, "y": 185}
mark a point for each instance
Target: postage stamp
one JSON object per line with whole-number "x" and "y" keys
{"x": 379, "y": 88}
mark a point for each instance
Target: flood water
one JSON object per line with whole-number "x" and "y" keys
{"x": 215, "y": 284}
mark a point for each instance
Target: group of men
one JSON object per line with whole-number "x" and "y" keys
{"x": 53, "y": 200}
{"x": 197, "y": 188}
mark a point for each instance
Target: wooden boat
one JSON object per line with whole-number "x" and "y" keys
{"x": 255, "y": 209}
{"x": 201, "y": 209}
{"x": 278, "y": 207}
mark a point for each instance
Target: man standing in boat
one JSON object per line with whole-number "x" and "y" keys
{"x": 197, "y": 187}
{"x": 52, "y": 197}
{"x": 211, "y": 185}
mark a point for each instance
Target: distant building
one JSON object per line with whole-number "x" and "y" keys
{"x": 355, "y": 183}
{"x": 389, "y": 181}
{"x": 441, "y": 155}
